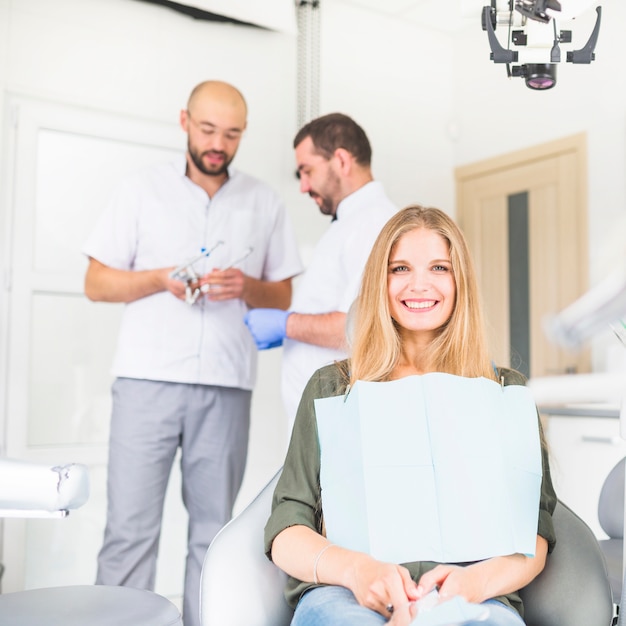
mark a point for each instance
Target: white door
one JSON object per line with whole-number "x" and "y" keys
{"x": 56, "y": 346}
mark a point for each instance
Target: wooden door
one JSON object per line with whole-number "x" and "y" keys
{"x": 524, "y": 215}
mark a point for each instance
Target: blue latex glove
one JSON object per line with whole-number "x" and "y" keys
{"x": 268, "y": 327}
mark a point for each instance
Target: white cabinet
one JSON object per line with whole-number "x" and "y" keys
{"x": 583, "y": 450}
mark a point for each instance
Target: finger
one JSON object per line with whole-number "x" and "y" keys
{"x": 378, "y": 598}
{"x": 396, "y": 599}
{"x": 431, "y": 579}
{"x": 214, "y": 275}
{"x": 448, "y": 590}
{"x": 397, "y": 594}
{"x": 404, "y": 614}
{"x": 410, "y": 586}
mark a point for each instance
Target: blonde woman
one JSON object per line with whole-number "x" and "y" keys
{"x": 418, "y": 312}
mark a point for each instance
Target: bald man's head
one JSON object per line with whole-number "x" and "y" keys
{"x": 214, "y": 121}
{"x": 217, "y": 91}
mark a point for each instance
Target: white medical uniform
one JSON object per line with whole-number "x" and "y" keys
{"x": 160, "y": 218}
{"x": 332, "y": 281}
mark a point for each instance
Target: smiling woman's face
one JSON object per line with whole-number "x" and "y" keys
{"x": 420, "y": 282}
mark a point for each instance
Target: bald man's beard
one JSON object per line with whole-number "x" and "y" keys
{"x": 216, "y": 170}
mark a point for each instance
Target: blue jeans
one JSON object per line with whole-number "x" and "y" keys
{"x": 337, "y": 606}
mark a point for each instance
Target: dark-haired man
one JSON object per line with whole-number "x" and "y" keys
{"x": 333, "y": 156}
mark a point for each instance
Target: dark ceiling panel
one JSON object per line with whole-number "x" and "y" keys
{"x": 199, "y": 14}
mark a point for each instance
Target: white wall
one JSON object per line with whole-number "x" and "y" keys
{"x": 397, "y": 81}
{"x": 136, "y": 60}
{"x": 4, "y": 63}
{"x": 496, "y": 114}
{"x": 381, "y": 72}
{"x": 139, "y": 61}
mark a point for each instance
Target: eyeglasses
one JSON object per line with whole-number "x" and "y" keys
{"x": 210, "y": 130}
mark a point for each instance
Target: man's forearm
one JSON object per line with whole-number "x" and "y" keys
{"x": 265, "y": 294}
{"x": 106, "y": 284}
{"x": 324, "y": 329}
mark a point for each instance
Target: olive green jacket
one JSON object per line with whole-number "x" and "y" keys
{"x": 297, "y": 498}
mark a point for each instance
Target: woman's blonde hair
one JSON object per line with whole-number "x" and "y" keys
{"x": 460, "y": 347}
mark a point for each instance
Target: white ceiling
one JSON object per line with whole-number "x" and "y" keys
{"x": 444, "y": 15}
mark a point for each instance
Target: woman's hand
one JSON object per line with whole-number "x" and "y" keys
{"x": 453, "y": 580}
{"x": 379, "y": 586}
{"x": 306, "y": 555}
{"x": 485, "y": 579}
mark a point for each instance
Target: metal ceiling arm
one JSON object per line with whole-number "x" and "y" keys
{"x": 586, "y": 54}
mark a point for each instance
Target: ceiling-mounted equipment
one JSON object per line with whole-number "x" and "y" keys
{"x": 538, "y": 46}
{"x": 537, "y": 9}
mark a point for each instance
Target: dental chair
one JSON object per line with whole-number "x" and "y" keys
{"x": 241, "y": 587}
{"x": 611, "y": 518}
{"x": 38, "y": 490}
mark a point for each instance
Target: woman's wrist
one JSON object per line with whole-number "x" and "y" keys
{"x": 318, "y": 556}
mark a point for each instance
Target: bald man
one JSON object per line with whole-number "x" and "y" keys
{"x": 185, "y": 363}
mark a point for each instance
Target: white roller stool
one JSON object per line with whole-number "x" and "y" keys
{"x": 87, "y": 605}
{"x": 41, "y": 490}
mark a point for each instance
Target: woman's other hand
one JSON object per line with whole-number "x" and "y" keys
{"x": 380, "y": 586}
{"x": 485, "y": 579}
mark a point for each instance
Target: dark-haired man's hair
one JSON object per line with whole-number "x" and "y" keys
{"x": 333, "y": 131}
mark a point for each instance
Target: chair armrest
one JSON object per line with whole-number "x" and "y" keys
{"x": 27, "y": 488}
{"x": 573, "y": 589}
{"x": 239, "y": 585}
